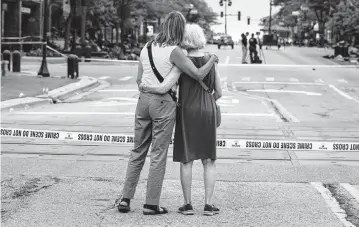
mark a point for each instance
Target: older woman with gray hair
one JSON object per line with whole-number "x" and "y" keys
{"x": 196, "y": 126}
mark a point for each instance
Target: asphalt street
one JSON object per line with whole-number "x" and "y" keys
{"x": 296, "y": 96}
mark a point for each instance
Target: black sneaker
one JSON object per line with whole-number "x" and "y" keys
{"x": 186, "y": 209}
{"x": 210, "y": 210}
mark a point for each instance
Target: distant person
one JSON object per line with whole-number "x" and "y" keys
{"x": 253, "y": 54}
{"x": 244, "y": 48}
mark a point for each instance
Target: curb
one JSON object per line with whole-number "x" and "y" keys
{"x": 60, "y": 93}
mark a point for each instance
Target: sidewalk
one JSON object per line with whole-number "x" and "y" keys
{"x": 19, "y": 89}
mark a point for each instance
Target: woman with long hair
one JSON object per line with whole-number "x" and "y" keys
{"x": 155, "y": 113}
{"x": 196, "y": 126}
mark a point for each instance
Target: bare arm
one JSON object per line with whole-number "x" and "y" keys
{"x": 217, "y": 85}
{"x": 166, "y": 85}
{"x": 139, "y": 73}
{"x": 179, "y": 59}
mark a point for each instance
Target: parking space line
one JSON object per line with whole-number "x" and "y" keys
{"x": 332, "y": 203}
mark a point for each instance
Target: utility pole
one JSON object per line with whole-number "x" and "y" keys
{"x": 270, "y": 18}
{"x": 43, "y": 69}
{"x": 225, "y": 18}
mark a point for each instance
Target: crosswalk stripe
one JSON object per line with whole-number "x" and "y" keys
{"x": 269, "y": 79}
{"x": 294, "y": 80}
{"x": 246, "y": 79}
{"x": 103, "y": 78}
{"x": 125, "y": 78}
{"x": 342, "y": 81}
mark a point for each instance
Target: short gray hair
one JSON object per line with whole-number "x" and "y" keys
{"x": 194, "y": 37}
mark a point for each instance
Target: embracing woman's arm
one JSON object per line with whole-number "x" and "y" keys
{"x": 166, "y": 85}
{"x": 179, "y": 59}
{"x": 217, "y": 85}
{"x": 139, "y": 73}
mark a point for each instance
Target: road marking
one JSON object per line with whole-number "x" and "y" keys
{"x": 123, "y": 99}
{"x": 342, "y": 93}
{"x": 293, "y": 80}
{"x": 246, "y": 79}
{"x": 289, "y": 83}
{"x": 112, "y": 104}
{"x": 318, "y": 81}
{"x": 227, "y": 61}
{"x": 249, "y": 114}
{"x": 125, "y": 78}
{"x": 332, "y": 203}
{"x": 119, "y": 90}
{"x": 269, "y": 79}
{"x": 342, "y": 81}
{"x": 352, "y": 190}
{"x": 287, "y": 91}
{"x": 289, "y": 66}
{"x": 103, "y": 78}
{"x": 235, "y": 101}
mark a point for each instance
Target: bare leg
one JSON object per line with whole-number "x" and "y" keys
{"x": 209, "y": 179}
{"x": 186, "y": 181}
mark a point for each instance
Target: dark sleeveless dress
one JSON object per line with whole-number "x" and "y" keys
{"x": 195, "y": 133}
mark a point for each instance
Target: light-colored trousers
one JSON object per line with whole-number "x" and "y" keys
{"x": 154, "y": 121}
{"x": 244, "y": 53}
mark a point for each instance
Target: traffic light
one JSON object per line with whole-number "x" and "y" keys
{"x": 229, "y": 3}
{"x": 221, "y": 2}
{"x": 221, "y": 14}
{"x": 239, "y": 15}
{"x": 249, "y": 21}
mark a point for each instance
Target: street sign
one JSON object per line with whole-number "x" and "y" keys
{"x": 25, "y": 10}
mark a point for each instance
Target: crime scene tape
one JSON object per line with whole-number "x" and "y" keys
{"x": 111, "y": 138}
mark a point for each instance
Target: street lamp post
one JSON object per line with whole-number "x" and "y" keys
{"x": 43, "y": 69}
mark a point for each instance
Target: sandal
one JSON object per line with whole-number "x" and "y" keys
{"x": 124, "y": 206}
{"x": 153, "y": 210}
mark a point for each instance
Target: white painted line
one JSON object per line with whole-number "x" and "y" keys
{"x": 345, "y": 95}
{"x": 226, "y": 97}
{"x": 352, "y": 190}
{"x": 319, "y": 81}
{"x": 119, "y": 90}
{"x": 332, "y": 203}
{"x": 123, "y": 99}
{"x": 289, "y": 83}
{"x": 125, "y": 78}
{"x": 289, "y": 66}
{"x": 223, "y": 78}
{"x": 227, "y": 61}
{"x": 112, "y": 104}
{"x": 293, "y": 80}
{"x": 248, "y": 114}
{"x": 287, "y": 91}
{"x": 342, "y": 81}
{"x": 235, "y": 101}
{"x": 246, "y": 79}
{"x": 77, "y": 113}
{"x": 103, "y": 78}
{"x": 269, "y": 79}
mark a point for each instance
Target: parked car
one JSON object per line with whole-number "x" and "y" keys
{"x": 226, "y": 40}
